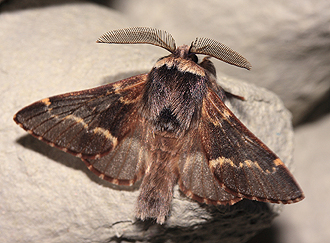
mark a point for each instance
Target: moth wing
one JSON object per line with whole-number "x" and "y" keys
{"x": 88, "y": 123}
{"x": 195, "y": 176}
{"x": 239, "y": 161}
{"x": 126, "y": 163}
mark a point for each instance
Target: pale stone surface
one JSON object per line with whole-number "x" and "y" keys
{"x": 308, "y": 221}
{"x": 287, "y": 42}
{"x": 50, "y": 196}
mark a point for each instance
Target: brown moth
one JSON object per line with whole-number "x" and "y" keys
{"x": 165, "y": 127}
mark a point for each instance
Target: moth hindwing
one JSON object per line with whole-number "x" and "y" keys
{"x": 165, "y": 127}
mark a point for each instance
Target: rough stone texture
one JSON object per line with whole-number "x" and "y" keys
{"x": 50, "y": 196}
{"x": 287, "y": 42}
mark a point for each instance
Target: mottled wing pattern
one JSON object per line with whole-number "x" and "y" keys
{"x": 195, "y": 176}
{"x": 239, "y": 161}
{"x": 89, "y": 123}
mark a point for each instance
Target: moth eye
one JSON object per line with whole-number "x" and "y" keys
{"x": 193, "y": 57}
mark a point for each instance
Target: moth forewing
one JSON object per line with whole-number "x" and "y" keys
{"x": 243, "y": 164}
{"x": 165, "y": 127}
{"x": 88, "y": 123}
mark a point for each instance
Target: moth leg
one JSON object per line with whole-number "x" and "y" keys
{"x": 230, "y": 96}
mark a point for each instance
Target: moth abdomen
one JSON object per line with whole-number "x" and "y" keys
{"x": 161, "y": 175}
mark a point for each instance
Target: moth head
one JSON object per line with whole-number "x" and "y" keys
{"x": 205, "y": 46}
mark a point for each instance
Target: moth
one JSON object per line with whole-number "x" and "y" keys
{"x": 167, "y": 127}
